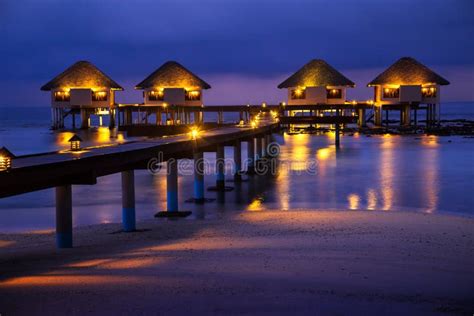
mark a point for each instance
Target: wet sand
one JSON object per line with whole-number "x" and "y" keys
{"x": 287, "y": 262}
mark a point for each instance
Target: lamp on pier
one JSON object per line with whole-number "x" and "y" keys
{"x": 5, "y": 159}
{"x": 75, "y": 143}
{"x": 194, "y": 133}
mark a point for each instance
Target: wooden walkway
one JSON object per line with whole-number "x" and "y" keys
{"x": 41, "y": 171}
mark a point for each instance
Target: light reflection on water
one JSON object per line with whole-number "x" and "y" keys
{"x": 427, "y": 174}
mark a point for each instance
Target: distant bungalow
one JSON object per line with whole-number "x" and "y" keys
{"x": 317, "y": 82}
{"x": 82, "y": 87}
{"x": 173, "y": 84}
{"x": 403, "y": 86}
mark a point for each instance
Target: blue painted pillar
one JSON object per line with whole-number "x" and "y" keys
{"x": 64, "y": 216}
{"x": 237, "y": 161}
{"x": 172, "y": 185}
{"x": 251, "y": 155}
{"x": 198, "y": 176}
{"x": 220, "y": 167}
{"x": 128, "y": 201}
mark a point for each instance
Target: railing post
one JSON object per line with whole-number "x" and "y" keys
{"x": 172, "y": 185}
{"x": 128, "y": 201}
{"x": 64, "y": 216}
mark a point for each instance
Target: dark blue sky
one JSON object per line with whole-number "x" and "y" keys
{"x": 232, "y": 42}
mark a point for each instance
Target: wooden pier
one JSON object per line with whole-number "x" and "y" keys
{"x": 63, "y": 169}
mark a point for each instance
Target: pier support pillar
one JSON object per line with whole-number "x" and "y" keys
{"x": 111, "y": 118}
{"x": 251, "y": 156}
{"x": 172, "y": 185}
{"x": 378, "y": 115}
{"x": 337, "y": 132}
{"x": 258, "y": 149}
{"x": 64, "y": 216}
{"x": 198, "y": 176}
{"x": 237, "y": 161}
{"x": 158, "y": 117}
{"x": 264, "y": 146}
{"x": 406, "y": 115}
{"x": 220, "y": 168}
{"x": 361, "y": 121}
{"x": 128, "y": 201}
{"x": 84, "y": 119}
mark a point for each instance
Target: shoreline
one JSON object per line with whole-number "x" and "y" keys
{"x": 318, "y": 261}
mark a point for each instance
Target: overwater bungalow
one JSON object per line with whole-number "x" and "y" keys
{"x": 404, "y": 86}
{"x": 317, "y": 82}
{"x": 172, "y": 84}
{"x": 81, "y": 88}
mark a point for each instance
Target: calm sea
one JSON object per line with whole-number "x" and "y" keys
{"x": 386, "y": 173}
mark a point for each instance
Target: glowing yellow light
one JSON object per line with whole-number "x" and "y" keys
{"x": 283, "y": 103}
{"x": 165, "y": 104}
{"x": 354, "y": 102}
{"x": 75, "y": 143}
{"x": 194, "y": 133}
{"x": 241, "y": 123}
{"x": 5, "y": 162}
{"x": 354, "y": 200}
{"x": 264, "y": 105}
{"x": 253, "y": 124}
{"x": 370, "y": 102}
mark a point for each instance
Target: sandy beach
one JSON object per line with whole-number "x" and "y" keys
{"x": 279, "y": 262}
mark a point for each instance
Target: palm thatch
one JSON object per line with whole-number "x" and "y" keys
{"x": 82, "y": 74}
{"x": 316, "y": 73}
{"x": 172, "y": 75}
{"x": 408, "y": 71}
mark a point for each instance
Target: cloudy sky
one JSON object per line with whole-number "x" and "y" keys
{"x": 243, "y": 48}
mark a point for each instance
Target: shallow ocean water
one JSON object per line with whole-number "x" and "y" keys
{"x": 386, "y": 173}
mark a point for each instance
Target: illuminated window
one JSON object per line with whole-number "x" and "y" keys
{"x": 158, "y": 95}
{"x": 194, "y": 95}
{"x": 99, "y": 96}
{"x": 428, "y": 92}
{"x": 298, "y": 94}
{"x": 391, "y": 93}
{"x": 334, "y": 93}
{"x": 62, "y": 96}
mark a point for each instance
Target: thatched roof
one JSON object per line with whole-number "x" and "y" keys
{"x": 82, "y": 74}
{"x": 172, "y": 75}
{"x": 6, "y": 153}
{"x": 316, "y": 73}
{"x": 408, "y": 71}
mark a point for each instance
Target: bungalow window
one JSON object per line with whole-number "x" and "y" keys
{"x": 428, "y": 92}
{"x": 334, "y": 93}
{"x": 391, "y": 93}
{"x": 62, "y": 96}
{"x": 193, "y": 95}
{"x": 298, "y": 94}
{"x": 99, "y": 96}
{"x": 156, "y": 95}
